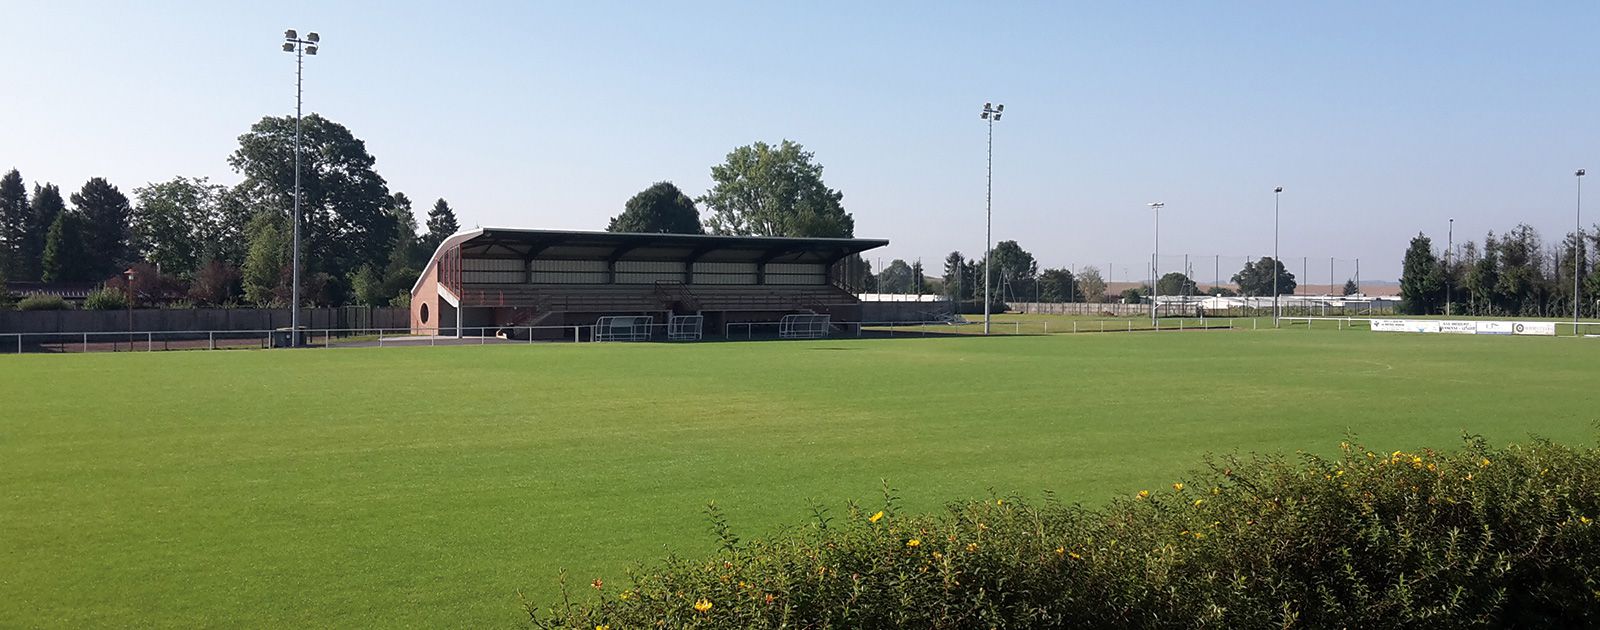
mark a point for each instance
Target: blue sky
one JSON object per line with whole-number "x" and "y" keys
{"x": 1379, "y": 119}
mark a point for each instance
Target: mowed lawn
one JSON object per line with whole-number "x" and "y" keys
{"x": 426, "y": 486}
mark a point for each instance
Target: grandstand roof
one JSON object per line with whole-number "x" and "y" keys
{"x": 496, "y": 242}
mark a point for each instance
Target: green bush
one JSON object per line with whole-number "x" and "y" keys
{"x": 43, "y": 303}
{"x": 1476, "y": 537}
{"x": 104, "y": 299}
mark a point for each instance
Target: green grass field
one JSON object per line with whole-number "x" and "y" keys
{"x": 425, "y": 486}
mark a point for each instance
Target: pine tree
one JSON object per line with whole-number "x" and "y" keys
{"x": 43, "y": 210}
{"x": 1421, "y": 278}
{"x": 67, "y": 257}
{"x": 441, "y": 224}
{"x": 107, "y": 216}
{"x": 13, "y": 219}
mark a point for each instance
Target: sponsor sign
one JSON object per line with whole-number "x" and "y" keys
{"x": 1545, "y": 329}
{"x": 1387, "y": 325}
{"x": 1463, "y": 327}
{"x": 1495, "y": 328}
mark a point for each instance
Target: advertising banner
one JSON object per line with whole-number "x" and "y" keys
{"x": 1545, "y": 329}
{"x": 1387, "y": 325}
{"x": 1495, "y": 328}
{"x": 1463, "y": 327}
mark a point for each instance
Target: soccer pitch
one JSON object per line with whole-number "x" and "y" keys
{"x": 425, "y": 486}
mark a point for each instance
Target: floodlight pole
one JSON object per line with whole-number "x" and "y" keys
{"x": 1449, "y": 248}
{"x": 1276, "y": 312}
{"x": 1155, "y": 261}
{"x": 989, "y": 115}
{"x": 300, "y": 47}
{"x": 1576, "y": 248}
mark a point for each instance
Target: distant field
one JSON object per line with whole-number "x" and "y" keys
{"x": 425, "y": 486}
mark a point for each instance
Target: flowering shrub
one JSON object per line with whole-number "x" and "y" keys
{"x": 1473, "y": 537}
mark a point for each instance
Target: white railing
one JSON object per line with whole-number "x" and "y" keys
{"x": 149, "y": 341}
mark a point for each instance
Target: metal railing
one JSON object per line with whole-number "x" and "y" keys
{"x": 152, "y": 341}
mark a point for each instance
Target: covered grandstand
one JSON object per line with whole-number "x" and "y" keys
{"x": 510, "y": 281}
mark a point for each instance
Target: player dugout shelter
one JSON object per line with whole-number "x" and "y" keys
{"x": 494, "y": 280}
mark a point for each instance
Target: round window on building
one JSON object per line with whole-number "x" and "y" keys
{"x": 424, "y": 313}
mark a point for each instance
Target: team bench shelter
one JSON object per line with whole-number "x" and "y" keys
{"x": 516, "y": 282}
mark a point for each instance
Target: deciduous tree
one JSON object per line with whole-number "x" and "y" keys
{"x": 1256, "y": 278}
{"x": 774, "y": 191}
{"x": 344, "y": 202}
{"x": 661, "y": 208}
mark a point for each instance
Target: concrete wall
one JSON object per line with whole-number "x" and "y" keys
{"x": 199, "y": 319}
{"x": 904, "y": 311}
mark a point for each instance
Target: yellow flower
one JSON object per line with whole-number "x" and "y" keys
{"x": 913, "y": 543}
{"x": 1178, "y": 487}
{"x": 1432, "y": 467}
{"x": 1338, "y": 473}
{"x": 1061, "y": 550}
{"x": 1215, "y": 491}
{"x": 743, "y": 584}
{"x": 1483, "y": 463}
{"x": 938, "y": 556}
{"x": 1344, "y": 446}
{"x": 625, "y": 595}
{"x": 1075, "y": 556}
{"x": 1197, "y": 502}
{"x": 999, "y": 501}
{"x": 602, "y": 627}
{"x": 1416, "y": 462}
{"x": 876, "y": 517}
{"x": 1584, "y": 519}
{"x": 971, "y": 547}
{"x": 1199, "y": 536}
{"x": 702, "y": 605}
{"x": 1144, "y": 493}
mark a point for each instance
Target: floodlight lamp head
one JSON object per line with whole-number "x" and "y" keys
{"x": 288, "y": 47}
{"x": 1278, "y": 189}
{"x": 311, "y": 50}
{"x": 1157, "y": 204}
{"x": 291, "y": 34}
{"x": 1000, "y": 108}
{"x": 988, "y": 106}
{"x": 984, "y": 115}
{"x": 313, "y": 38}
{"x": 1581, "y": 172}
{"x": 997, "y": 115}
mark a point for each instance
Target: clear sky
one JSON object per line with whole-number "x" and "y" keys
{"x": 1380, "y": 119}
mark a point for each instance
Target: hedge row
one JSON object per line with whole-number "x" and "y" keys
{"x": 1474, "y": 537}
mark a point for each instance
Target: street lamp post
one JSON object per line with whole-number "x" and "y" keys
{"x": 991, "y": 113}
{"x": 300, "y": 47}
{"x": 1276, "y": 312}
{"x": 1577, "y": 247}
{"x": 1155, "y": 261}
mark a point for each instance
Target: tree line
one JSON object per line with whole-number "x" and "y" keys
{"x": 214, "y": 245}
{"x": 1515, "y": 273}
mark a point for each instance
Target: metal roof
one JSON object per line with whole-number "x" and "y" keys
{"x": 526, "y": 244}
